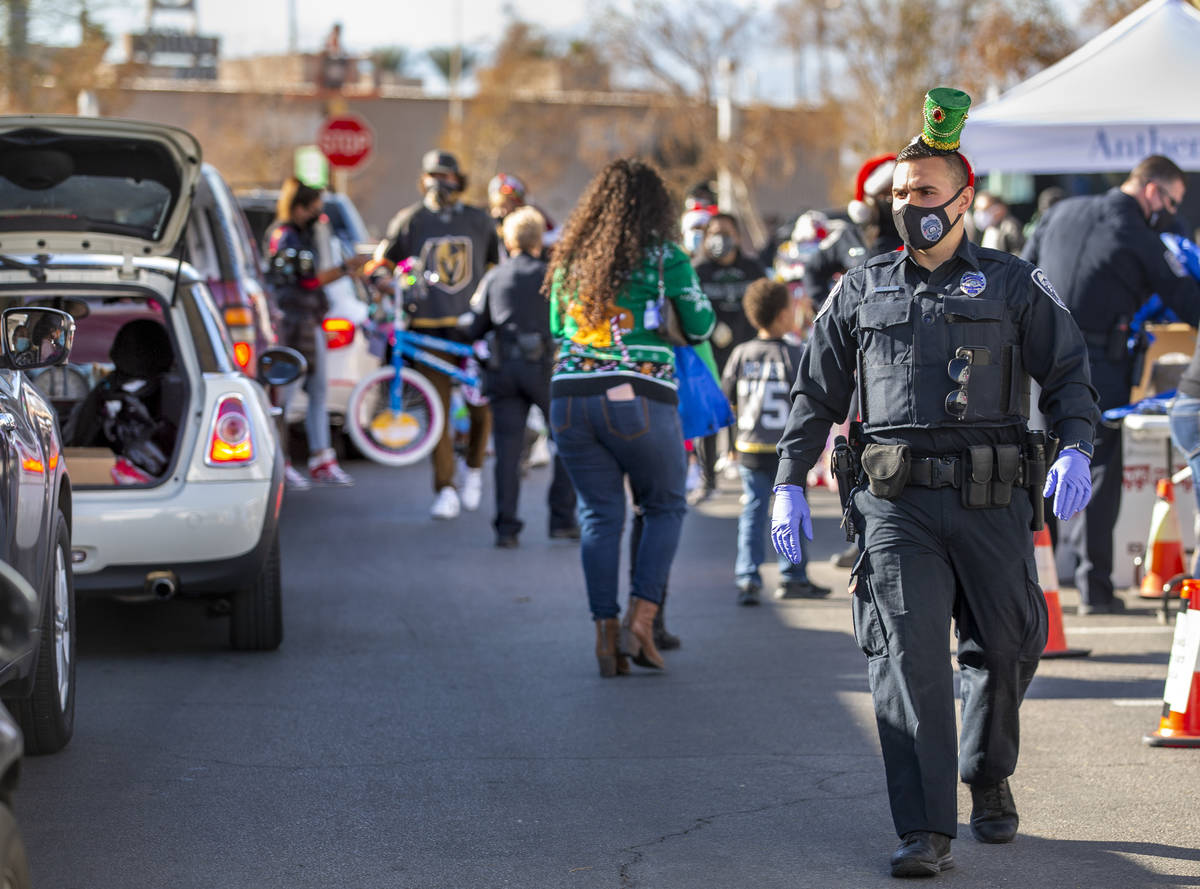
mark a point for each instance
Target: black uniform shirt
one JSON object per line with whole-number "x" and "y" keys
{"x": 898, "y": 325}
{"x": 509, "y": 299}
{"x": 455, "y": 247}
{"x": 1106, "y": 261}
{"x": 841, "y": 249}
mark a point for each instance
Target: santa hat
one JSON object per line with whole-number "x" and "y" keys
{"x": 874, "y": 177}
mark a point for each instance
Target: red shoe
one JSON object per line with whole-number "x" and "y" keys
{"x": 324, "y": 470}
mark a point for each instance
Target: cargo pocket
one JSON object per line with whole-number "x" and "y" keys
{"x": 868, "y": 629}
{"x": 980, "y": 324}
{"x": 886, "y": 335}
{"x": 1037, "y": 619}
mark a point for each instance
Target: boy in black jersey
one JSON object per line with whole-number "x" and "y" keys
{"x": 757, "y": 380}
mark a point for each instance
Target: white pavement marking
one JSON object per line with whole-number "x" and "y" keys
{"x": 1116, "y": 631}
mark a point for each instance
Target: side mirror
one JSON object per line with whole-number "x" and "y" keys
{"x": 18, "y": 613}
{"x": 36, "y": 337}
{"x": 280, "y": 365}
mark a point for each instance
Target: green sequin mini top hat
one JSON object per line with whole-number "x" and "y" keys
{"x": 945, "y": 114}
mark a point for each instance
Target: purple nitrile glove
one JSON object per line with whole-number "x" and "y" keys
{"x": 1069, "y": 481}
{"x": 789, "y": 515}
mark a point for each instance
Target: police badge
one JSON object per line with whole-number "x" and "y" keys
{"x": 972, "y": 283}
{"x": 931, "y": 227}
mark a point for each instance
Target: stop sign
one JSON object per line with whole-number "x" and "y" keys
{"x": 346, "y": 140}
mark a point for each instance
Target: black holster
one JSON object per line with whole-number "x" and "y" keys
{"x": 1036, "y": 467}
{"x": 844, "y": 465}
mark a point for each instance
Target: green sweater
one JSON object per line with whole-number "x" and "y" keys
{"x": 591, "y": 359}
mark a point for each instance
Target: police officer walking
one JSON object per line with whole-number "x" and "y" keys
{"x": 1104, "y": 253}
{"x": 510, "y": 310}
{"x": 942, "y": 337}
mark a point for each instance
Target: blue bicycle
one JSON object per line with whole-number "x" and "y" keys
{"x": 394, "y": 415}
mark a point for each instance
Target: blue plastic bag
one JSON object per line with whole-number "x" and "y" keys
{"x": 703, "y": 407}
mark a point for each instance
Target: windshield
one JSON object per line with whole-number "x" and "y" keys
{"x": 50, "y": 182}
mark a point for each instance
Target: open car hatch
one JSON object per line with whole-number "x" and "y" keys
{"x": 94, "y": 185}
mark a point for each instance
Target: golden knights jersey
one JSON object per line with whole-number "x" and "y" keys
{"x": 454, "y": 247}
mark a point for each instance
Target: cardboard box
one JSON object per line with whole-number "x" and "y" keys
{"x": 90, "y": 466}
{"x": 1167, "y": 338}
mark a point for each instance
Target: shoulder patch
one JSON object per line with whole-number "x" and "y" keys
{"x": 1174, "y": 264}
{"x": 837, "y": 288}
{"x": 1043, "y": 283}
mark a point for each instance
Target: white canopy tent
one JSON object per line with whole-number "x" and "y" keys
{"x": 1128, "y": 93}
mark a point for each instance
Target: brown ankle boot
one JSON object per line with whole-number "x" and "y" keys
{"x": 637, "y": 634}
{"x": 609, "y": 656}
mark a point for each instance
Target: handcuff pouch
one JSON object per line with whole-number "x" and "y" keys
{"x": 887, "y": 469}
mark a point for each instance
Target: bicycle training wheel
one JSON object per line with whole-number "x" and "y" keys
{"x": 395, "y": 438}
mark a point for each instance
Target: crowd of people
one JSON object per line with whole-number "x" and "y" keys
{"x": 915, "y": 326}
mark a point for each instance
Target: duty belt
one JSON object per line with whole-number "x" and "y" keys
{"x": 946, "y": 472}
{"x": 935, "y": 472}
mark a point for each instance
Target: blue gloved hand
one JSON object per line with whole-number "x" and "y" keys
{"x": 1069, "y": 481}
{"x": 790, "y": 514}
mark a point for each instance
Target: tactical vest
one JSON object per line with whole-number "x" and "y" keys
{"x": 907, "y": 338}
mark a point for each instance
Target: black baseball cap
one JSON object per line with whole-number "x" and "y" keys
{"x": 436, "y": 161}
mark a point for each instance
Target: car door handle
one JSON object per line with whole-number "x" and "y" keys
{"x": 8, "y": 422}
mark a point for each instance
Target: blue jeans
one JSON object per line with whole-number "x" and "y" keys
{"x": 1185, "y": 433}
{"x": 601, "y": 442}
{"x": 752, "y": 531}
{"x": 316, "y": 421}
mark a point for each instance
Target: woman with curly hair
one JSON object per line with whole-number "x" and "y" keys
{"x": 613, "y": 408}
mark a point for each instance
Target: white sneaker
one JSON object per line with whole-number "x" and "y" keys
{"x": 446, "y": 506}
{"x": 694, "y": 479}
{"x": 293, "y": 480}
{"x": 472, "y": 489}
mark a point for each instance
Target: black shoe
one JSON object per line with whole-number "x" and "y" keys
{"x": 801, "y": 589}
{"x": 1114, "y": 606}
{"x": 748, "y": 591}
{"x": 922, "y": 853}
{"x": 571, "y": 533}
{"x": 846, "y": 558}
{"x": 993, "y": 813}
{"x": 506, "y": 541}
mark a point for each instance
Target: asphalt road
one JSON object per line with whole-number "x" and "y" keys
{"x": 434, "y": 720}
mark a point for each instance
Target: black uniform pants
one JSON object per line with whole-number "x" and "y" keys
{"x": 1089, "y": 535}
{"x": 926, "y": 560}
{"x": 512, "y": 390}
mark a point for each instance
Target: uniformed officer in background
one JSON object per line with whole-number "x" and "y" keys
{"x": 943, "y": 336}
{"x": 511, "y": 312}
{"x": 1104, "y": 254}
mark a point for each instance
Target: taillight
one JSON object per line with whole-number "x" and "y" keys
{"x": 230, "y": 442}
{"x": 243, "y": 354}
{"x": 339, "y": 332}
{"x": 239, "y": 320}
{"x": 239, "y": 316}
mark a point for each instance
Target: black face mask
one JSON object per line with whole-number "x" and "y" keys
{"x": 1161, "y": 221}
{"x": 923, "y": 227}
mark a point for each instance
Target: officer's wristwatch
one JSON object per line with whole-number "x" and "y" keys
{"x": 1084, "y": 447}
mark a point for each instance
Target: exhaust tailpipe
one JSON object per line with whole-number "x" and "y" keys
{"x": 162, "y": 584}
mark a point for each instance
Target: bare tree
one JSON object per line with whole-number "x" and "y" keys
{"x": 676, "y": 47}
{"x": 885, "y": 54}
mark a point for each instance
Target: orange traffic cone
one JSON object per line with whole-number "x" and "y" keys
{"x": 1164, "y": 550}
{"x": 1180, "y": 722}
{"x": 1056, "y": 640}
